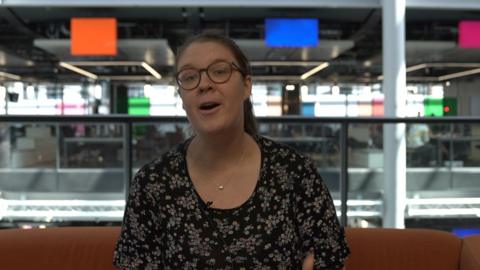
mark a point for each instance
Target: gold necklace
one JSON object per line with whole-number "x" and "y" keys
{"x": 221, "y": 187}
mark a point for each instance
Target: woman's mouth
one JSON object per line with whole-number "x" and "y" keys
{"x": 208, "y": 106}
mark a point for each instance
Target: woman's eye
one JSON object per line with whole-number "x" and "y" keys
{"x": 188, "y": 77}
{"x": 220, "y": 71}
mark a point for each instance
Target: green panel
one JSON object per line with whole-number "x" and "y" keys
{"x": 450, "y": 106}
{"x": 433, "y": 106}
{"x": 139, "y": 106}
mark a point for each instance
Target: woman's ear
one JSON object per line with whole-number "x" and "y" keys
{"x": 180, "y": 93}
{"x": 248, "y": 86}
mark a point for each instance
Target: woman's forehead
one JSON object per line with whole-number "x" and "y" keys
{"x": 202, "y": 53}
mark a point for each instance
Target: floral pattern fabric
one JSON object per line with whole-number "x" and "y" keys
{"x": 289, "y": 214}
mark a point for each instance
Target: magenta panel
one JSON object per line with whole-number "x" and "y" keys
{"x": 469, "y": 34}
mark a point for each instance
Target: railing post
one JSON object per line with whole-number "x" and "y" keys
{"x": 127, "y": 158}
{"x": 343, "y": 172}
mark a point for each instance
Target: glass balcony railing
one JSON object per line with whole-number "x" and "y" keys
{"x": 58, "y": 169}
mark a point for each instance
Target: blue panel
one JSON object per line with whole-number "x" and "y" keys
{"x": 308, "y": 109}
{"x": 291, "y": 32}
{"x": 465, "y": 232}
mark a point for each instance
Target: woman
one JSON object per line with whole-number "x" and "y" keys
{"x": 227, "y": 198}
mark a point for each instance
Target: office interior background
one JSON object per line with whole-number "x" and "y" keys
{"x": 75, "y": 124}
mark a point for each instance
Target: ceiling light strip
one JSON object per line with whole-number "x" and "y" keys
{"x": 416, "y": 67}
{"x": 459, "y": 74}
{"x": 78, "y": 70}
{"x": 422, "y": 78}
{"x": 128, "y": 78}
{"x": 314, "y": 70}
{"x": 104, "y": 63}
{"x": 151, "y": 70}
{"x": 466, "y": 65}
{"x": 275, "y": 78}
{"x": 10, "y": 75}
{"x": 285, "y": 63}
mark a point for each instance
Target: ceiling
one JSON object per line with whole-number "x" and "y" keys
{"x": 33, "y": 40}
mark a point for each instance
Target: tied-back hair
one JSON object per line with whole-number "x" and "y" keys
{"x": 250, "y": 122}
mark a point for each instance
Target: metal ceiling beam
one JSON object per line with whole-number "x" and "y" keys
{"x": 16, "y": 22}
{"x": 196, "y": 3}
{"x": 444, "y": 4}
{"x": 436, "y": 4}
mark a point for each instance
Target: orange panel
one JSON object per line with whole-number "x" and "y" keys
{"x": 93, "y": 36}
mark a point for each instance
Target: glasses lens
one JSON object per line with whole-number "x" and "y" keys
{"x": 219, "y": 72}
{"x": 188, "y": 78}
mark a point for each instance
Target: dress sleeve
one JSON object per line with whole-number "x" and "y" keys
{"x": 138, "y": 246}
{"x": 318, "y": 224}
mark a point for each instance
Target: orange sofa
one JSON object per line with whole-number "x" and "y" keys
{"x": 371, "y": 249}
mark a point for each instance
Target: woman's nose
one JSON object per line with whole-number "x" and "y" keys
{"x": 205, "y": 82}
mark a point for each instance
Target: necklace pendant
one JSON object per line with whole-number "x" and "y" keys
{"x": 220, "y": 187}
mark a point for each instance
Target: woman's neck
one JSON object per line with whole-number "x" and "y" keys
{"x": 215, "y": 152}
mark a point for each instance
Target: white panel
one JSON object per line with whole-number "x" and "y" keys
{"x": 274, "y": 106}
{"x": 259, "y": 99}
{"x": 163, "y": 110}
{"x": 415, "y": 106}
{"x": 3, "y": 93}
{"x": 163, "y": 95}
{"x": 331, "y": 105}
{"x": 352, "y": 105}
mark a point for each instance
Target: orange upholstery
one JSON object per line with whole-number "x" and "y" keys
{"x": 394, "y": 249}
{"x": 470, "y": 253}
{"x": 65, "y": 248}
{"x": 92, "y": 248}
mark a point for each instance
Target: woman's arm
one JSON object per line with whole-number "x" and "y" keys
{"x": 308, "y": 263}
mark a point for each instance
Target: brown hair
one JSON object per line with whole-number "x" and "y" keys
{"x": 250, "y": 123}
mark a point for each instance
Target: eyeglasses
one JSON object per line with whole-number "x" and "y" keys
{"x": 217, "y": 72}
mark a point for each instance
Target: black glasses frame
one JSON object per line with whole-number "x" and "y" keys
{"x": 232, "y": 66}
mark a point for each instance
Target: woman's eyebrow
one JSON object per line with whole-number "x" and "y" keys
{"x": 185, "y": 66}
{"x": 214, "y": 60}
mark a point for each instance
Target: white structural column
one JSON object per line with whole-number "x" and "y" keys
{"x": 394, "y": 87}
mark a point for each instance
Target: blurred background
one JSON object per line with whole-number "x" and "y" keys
{"x": 315, "y": 65}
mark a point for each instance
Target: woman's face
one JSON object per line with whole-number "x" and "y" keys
{"x": 213, "y": 107}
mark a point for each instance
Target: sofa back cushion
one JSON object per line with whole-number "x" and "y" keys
{"x": 58, "y": 248}
{"x": 396, "y": 249}
{"x": 470, "y": 253}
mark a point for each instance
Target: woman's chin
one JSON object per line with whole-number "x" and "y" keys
{"x": 214, "y": 130}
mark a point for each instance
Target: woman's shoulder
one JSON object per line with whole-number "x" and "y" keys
{"x": 167, "y": 163}
{"x": 278, "y": 150}
{"x": 287, "y": 168}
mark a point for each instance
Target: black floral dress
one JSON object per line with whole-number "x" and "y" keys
{"x": 290, "y": 213}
